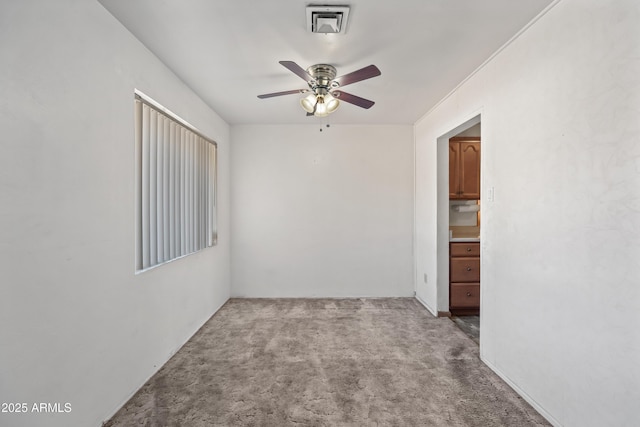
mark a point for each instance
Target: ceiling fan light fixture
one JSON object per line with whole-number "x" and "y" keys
{"x": 308, "y": 103}
{"x": 331, "y": 104}
{"x": 319, "y": 105}
{"x": 321, "y": 108}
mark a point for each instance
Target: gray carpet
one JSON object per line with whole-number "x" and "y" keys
{"x": 326, "y": 362}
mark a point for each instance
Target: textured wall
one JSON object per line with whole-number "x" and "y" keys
{"x": 560, "y": 129}
{"x": 322, "y": 213}
{"x": 76, "y": 325}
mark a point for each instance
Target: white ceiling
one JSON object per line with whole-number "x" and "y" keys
{"x": 227, "y": 51}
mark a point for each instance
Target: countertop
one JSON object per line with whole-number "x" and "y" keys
{"x": 464, "y": 234}
{"x": 464, "y": 239}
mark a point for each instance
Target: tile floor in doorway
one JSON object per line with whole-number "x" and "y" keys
{"x": 470, "y": 325}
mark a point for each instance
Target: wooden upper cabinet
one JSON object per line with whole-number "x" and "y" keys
{"x": 464, "y": 168}
{"x": 470, "y": 170}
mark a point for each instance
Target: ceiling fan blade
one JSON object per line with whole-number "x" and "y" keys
{"x": 286, "y": 92}
{"x": 359, "y": 75}
{"x": 352, "y": 99}
{"x": 297, "y": 70}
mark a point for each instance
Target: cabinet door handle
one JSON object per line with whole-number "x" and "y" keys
{"x": 468, "y": 249}
{"x": 468, "y": 294}
{"x": 468, "y": 268}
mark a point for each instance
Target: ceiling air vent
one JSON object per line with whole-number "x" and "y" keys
{"x": 327, "y": 19}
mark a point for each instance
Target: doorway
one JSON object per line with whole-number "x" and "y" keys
{"x": 470, "y": 128}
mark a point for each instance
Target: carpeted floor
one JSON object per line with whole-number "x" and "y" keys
{"x": 326, "y": 362}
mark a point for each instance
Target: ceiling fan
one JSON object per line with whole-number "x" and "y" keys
{"x": 324, "y": 88}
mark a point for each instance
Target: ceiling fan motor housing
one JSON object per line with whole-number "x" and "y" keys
{"x": 323, "y": 75}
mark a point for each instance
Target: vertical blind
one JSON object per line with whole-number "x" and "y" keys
{"x": 175, "y": 189}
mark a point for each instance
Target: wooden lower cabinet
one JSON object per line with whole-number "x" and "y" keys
{"x": 464, "y": 269}
{"x": 465, "y": 295}
{"x": 464, "y": 278}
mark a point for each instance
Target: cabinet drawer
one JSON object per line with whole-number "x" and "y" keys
{"x": 464, "y": 295}
{"x": 465, "y": 249}
{"x": 465, "y": 269}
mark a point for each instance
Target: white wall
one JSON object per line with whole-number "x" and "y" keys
{"x": 76, "y": 324}
{"x": 474, "y": 130}
{"x": 560, "y": 243}
{"x": 322, "y": 214}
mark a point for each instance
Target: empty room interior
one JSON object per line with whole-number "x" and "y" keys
{"x": 199, "y": 225}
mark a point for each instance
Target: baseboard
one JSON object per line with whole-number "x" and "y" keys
{"x": 523, "y": 394}
{"x": 465, "y": 312}
{"x": 319, "y": 297}
{"x": 444, "y": 314}
{"x": 431, "y": 310}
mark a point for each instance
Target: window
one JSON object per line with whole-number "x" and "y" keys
{"x": 175, "y": 186}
